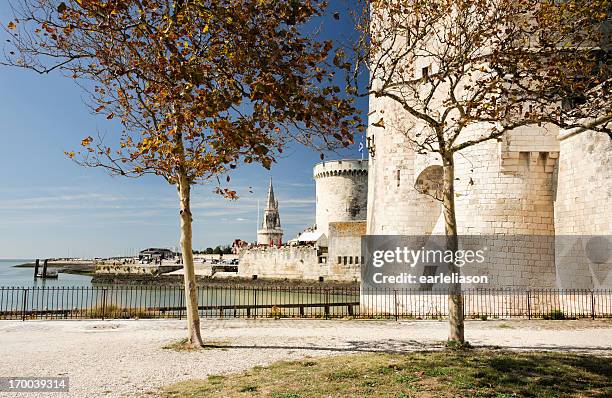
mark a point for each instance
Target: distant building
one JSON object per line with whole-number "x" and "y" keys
{"x": 156, "y": 253}
{"x": 331, "y": 250}
{"x": 270, "y": 233}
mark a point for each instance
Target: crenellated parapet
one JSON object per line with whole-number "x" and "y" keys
{"x": 341, "y": 167}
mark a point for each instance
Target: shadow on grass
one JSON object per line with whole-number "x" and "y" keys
{"x": 445, "y": 373}
{"x": 530, "y": 374}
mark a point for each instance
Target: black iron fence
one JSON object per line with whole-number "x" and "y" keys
{"x": 128, "y": 302}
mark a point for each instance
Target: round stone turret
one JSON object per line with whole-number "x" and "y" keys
{"x": 342, "y": 192}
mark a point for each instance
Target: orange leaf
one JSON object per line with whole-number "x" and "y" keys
{"x": 11, "y": 25}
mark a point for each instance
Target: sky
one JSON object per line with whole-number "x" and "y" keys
{"x": 51, "y": 207}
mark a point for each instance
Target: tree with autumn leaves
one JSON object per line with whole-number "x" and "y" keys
{"x": 199, "y": 86}
{"x": 463, "y": 72}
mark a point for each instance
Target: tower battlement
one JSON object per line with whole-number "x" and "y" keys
{"x": 346, "y": 167}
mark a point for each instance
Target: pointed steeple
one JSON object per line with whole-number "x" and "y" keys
{"x": 270, "y": 231}
{"x": 271, "y": 203}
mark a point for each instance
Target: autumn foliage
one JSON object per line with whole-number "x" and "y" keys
{"x": 232, "y": 80}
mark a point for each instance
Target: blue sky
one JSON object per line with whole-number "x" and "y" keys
{"x": 52, "y": 207}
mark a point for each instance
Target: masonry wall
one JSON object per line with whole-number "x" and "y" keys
{"x": 135, "y": 269}
{"x": 502, "y": 187}
{"x": 292, "y": 262}
{"x": 583, "y": 210}
{"x": 505, "y": 188}
{"x": 344, "y": 252}
{"x": 583, "y": 203}
{"x": 305, "y": 262}
{"x": 394, "y": 205}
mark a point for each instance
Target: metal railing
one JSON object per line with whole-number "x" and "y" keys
{"x": 239, "y": 301}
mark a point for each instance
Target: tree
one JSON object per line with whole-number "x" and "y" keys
{"x": 198, "y": 87}
{"x": 217, "y": 250}
{"x": 209, "y": 250}
{"x": 469, "y": 71}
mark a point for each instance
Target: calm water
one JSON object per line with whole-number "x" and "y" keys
{"x": 12, "y": 276}
{"x": 77, "y": 292}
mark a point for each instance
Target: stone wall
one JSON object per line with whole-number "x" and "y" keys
{"x": 292, "y": 262}
{"x": 583, "y": 202}
{"x": 341, "y": 191}
{"x": 209, "y": 257}
{"x": 394, "y": 205}
{"x": 502, "y": 187}
{"x": 500, "y": 190}
{"x": 344, "y": 257}
{"x": 135, "y": 269}
{"x": 583, "y": 208}
{"x": 342, "y": 263}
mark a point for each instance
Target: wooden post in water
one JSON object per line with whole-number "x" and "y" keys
{"x": 44, "y": 274}
{"x": 36, "y": 265}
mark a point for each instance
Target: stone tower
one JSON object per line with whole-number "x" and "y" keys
{"x": 270, "y": 232}
{"x": 503, "y": 187}
{"x": 342, "y": 189}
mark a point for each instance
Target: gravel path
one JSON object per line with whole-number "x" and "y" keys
{"x": 126, "y": 358}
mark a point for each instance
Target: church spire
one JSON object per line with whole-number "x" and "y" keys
{"x": 270, "y": 232}
{"x": 271, "y": 203}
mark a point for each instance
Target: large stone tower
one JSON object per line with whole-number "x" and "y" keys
{"x": 503, "y": 187}
{"x": 270, "y": 232}
{"x": 342, "y": 189}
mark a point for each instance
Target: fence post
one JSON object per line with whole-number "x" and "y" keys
{"x": 181, "y": 302}
{"x": 326, "y": 303}
{"x": 25, "y": 303}
{"x": 463, "y": 305}
{"x": 103, "y": 303}
{"x": 255, "y": 302}
{"x": 395, "y": 302}
{"x": 528, "y": 304}
{"x": 592, "y": 305}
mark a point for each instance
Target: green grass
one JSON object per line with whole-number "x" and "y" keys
{"x": 450, "y": 373}
{"x": 554, "y": 315}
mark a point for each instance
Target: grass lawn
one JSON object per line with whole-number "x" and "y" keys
{"x": 470, "y": 373}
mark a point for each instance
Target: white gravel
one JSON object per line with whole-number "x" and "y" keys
{"x": 126, "y": 358}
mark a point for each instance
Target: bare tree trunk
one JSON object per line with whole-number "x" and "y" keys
{"x": 455, "y": 298}
{"x": 191, "y": 298}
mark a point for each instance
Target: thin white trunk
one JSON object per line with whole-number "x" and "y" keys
{"x": 191, "y": 298}
{"x": 455, "y": 298}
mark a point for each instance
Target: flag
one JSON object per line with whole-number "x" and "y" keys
{"x": 361, "y": 147}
